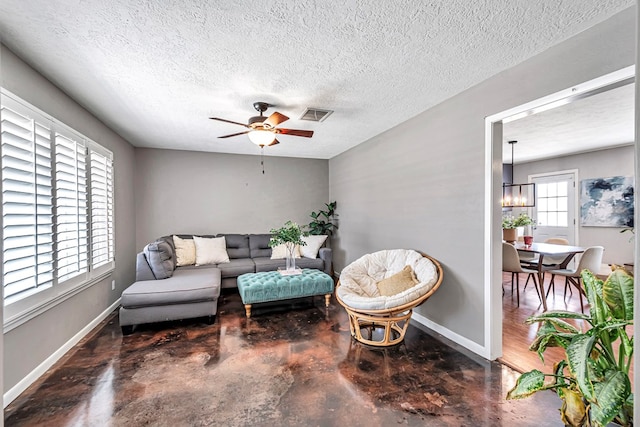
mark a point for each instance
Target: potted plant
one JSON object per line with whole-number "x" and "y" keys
{"x": 593, "y": 379}
{"x": 511, "y": 223}
{"x": 323, "y": 221}
{"x": 289, "y": 235}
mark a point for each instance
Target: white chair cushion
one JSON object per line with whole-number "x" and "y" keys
{"x": 358, "y": 280}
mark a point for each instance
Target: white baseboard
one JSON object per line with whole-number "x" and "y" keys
{"x": 16, "y": 390}
{"x": 447, "y": 333}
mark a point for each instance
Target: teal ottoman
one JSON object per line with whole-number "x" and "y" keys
{"x": 269, "y": 286}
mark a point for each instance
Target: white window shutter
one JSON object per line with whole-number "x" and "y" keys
{"x": 71, "y": 207}
{"x": 57, "y": 199}
{"x": 101, "y": 209}
{"x": 26, "y": 203}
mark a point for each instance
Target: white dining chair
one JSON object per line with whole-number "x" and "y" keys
{"x": 511, "y": 264}
{"x": 559, "y": 258}
{"x": 591, "y": 260}
{"x": 528, "y": 258}
{"x": 551, "y": 260}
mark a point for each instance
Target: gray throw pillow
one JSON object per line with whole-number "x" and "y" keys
{"x": 160, "y": 257}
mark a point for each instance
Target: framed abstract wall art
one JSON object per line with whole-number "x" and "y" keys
{"x": 607, "y": 202}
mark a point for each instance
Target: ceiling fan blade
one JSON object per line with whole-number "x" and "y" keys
{"x": 275, "y": 141}
{"x": 234, "y": 134}
{"x": 229, "y": 121}
{"x": 275, "y": 119}
{"x": 295, "y": 132}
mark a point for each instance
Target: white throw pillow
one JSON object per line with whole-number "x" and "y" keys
{"x": 280, "y": 252}
{"x": 185, "y": 251}
{"x": 210, "y": 250}
{"x": 313, "y": 245}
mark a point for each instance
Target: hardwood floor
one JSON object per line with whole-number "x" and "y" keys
{"x": 517, "y": 336}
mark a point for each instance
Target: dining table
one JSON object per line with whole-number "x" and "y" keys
{"x": 550, "y": 249}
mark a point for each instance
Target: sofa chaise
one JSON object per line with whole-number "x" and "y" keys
{"x": 165, "y": 290}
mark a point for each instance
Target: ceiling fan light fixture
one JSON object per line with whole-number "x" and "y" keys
{"x": 262, "y": 130}
{"x": 262, "y": 137}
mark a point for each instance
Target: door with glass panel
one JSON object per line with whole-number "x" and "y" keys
{"x": 554, "y": 212}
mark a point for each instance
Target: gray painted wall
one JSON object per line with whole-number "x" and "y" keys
{"x": 28, "y": 345}
{"x": 421, "y": 184}
{"x": 208, "y": 193}
{"x": 618, "y": 248}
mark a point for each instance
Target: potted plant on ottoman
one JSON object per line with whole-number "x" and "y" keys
{"x": 510, "y": 225}
{"x": 290, "y": 235}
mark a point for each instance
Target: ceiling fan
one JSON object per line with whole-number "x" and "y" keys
{"x": 262, "y": 130}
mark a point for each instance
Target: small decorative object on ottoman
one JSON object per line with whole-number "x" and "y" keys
{"x": 272, "y": 286}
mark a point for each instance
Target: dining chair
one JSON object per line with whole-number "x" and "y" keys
{"x": 591, "y": 260}
{"x": 530, "y": 260}
{"x": 527, "y": 258}
{"x": 511, "y": 264}
{"x": 551, "y": 260}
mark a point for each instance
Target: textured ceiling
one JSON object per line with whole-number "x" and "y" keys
{"x": 154, "y": 71}
{"x": 599, "y": 121}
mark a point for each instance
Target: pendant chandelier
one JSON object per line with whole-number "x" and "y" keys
{"x": 518, "y": 195}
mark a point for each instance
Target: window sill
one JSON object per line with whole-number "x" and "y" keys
{"x": 32, "y": 312}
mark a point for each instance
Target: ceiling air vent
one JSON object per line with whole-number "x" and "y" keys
{"x": 315, "y": 114}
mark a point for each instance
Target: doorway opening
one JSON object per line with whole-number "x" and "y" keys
{"x": 494, "y": 126}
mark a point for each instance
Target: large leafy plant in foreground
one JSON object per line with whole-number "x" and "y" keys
{"x": 593, "y": 379}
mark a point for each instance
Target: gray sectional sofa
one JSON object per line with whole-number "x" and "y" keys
{"x": 163, "y": 291}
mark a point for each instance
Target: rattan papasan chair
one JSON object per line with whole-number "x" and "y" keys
{"x": 385, "y": 318}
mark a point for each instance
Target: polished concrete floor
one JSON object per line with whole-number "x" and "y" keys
{"x": 290, "y": 365}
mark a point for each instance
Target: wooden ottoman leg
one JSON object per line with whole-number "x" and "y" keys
{"x": 247, "y": 309}
{"x": 327, "y": 299}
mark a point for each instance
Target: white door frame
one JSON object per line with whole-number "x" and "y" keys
{"x": 576, "y": 198}
{"x": 493, "y": 187}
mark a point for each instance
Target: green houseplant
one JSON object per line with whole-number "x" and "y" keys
{"x": 323, "y": 221}
{"x": 289, "y": 235}
{"x": 593, "y": 379}
{"x": 510, "y": 223}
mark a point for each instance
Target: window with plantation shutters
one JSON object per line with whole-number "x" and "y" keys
{"x": 57, "y": 210}
{"x": 101, "y": 209}
{"x": 27, "y": 232}
{"x": 71, "y": 207}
